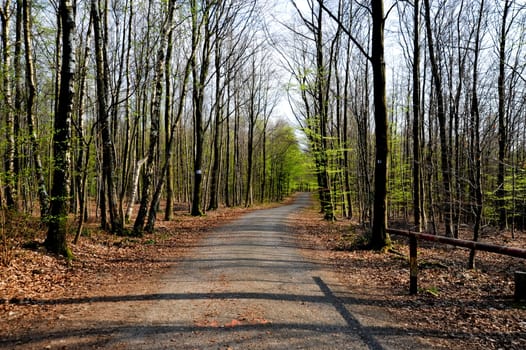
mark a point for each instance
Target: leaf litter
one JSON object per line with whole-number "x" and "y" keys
{"x": 455, "y": 308}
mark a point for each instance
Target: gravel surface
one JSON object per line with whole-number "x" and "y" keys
{"x": 245, "y": 286}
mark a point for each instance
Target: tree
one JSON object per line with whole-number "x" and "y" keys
{"x": 476, "y": 152}
{"x": 315, "y": 97}
{"x": 201, "y": 35}
{"x": 147, "y": 185}
{"x": 233, "y": 23}
{"x": 57, "y": 220}
{"x": 108, "y": 150}
{"x": 380, "y": 238}
{"x": 31, "y": 95}
{"x": 416, "y": 119}
{"x": 441, "y": 115}
{"x": 7, "y": 107}
{"x": 501, "y": 203}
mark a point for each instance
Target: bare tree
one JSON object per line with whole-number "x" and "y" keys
{"x": 502, "y": 127}
{"x": 7, "y": 107}
{"x": 31, "y": 95}
{"x": 104, "y": 123}
{"x": 147, "y": 184}
{"x": 417, "y": 193}
{"x": 380, "y": 239}
{"x": 441, "y": 115}
{"x": 202, "y": 32}
{"x": 476, "y": 152}
{"x": 57, "y": 229}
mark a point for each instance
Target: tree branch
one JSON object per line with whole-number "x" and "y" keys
{"x": 345, "y": 30}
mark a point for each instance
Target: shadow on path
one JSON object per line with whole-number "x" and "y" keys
{"x": 250, "y": 266}
{"x": 118, "y": 332}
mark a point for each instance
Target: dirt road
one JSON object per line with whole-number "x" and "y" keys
{"x": 245, "y": 286}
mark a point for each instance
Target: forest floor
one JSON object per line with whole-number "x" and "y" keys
{"x": 455, "y": 308}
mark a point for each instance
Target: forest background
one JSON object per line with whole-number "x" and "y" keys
{"x": 198, "y": 103}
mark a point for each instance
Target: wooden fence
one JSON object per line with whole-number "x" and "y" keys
{"x": 520, "y": 277}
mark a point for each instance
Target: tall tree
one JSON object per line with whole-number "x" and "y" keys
{"x": 253, "y": 115}
{"x": 218, "y": 121}
{"x": 171, "y": 137}
{"x": 7, "y": 107}
{"x": 104, "y": 122}
{"x": 57, "y": 220}
{"x": 502, "y": 127}
{"x": 346, "y": 117}
{"x": 322, "y": 113}
{"x": 380, "y": 238}
{"x": 18, "y": 75}
{"x": 202, "y": 32}
{"x": 445, "y": 159}
{"x": 160, "y": 66}
{"x": 31, "y": 125}
{"x": 315, "y": 98}
{"x": 416, "y": 118}
{"x": 476, "y": 152}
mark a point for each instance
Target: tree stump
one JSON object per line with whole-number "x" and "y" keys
{"x": 520, "y": 285}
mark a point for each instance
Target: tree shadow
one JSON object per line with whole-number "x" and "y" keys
{"x": 107, "y": 333}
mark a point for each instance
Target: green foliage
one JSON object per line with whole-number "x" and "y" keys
{"x": 289, "y": 165}
{"x": 514, "y": 197}
{"x": 431, "y": 291}
{"x": 400, "y": 177}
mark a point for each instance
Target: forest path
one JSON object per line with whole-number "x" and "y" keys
{"x": 244, "y": 286}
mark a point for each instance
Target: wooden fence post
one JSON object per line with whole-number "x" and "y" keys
{"x": 413, "y": 265}
{"x": 520, "y": 285}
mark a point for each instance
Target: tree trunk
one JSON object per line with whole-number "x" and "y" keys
{"x": 170, "y": 129}
{"x": 227, "y": 191}
{"x": 108, "y": 151}
{"x": 501, "y": 193}
{"x": 215, "y": 173}
{"x": 128, "y": 145}
{"x": 147, "y": 183}
{"x": 57, "y": 221}
{"x": 83, "y": 155}
{"x": 416, "y": 118}
{"x": 252, "y": 118}
{"x": 441, "y": 115}
{"x": 380, "y": 238}
{"x": 199, "y": 74}
{"x": 345, "y": 132}
{"x": 31, "y": 94}
{"x": 7, "y": 107}
{"x": 322, "y": 111}
{"x": 169, "y": 150}
{"x": 475, "y": 118}
{"x": 132, "y": 189}
{"x": 17, "y": 65}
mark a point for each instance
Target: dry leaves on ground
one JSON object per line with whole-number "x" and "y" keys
{"x": 103, "y": 265}
{"x": 455, "y": 307}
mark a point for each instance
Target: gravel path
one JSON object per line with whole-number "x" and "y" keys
{"x": 246, "y": 286}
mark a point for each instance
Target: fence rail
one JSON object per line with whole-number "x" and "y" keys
{"x": 413, "y": 246}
